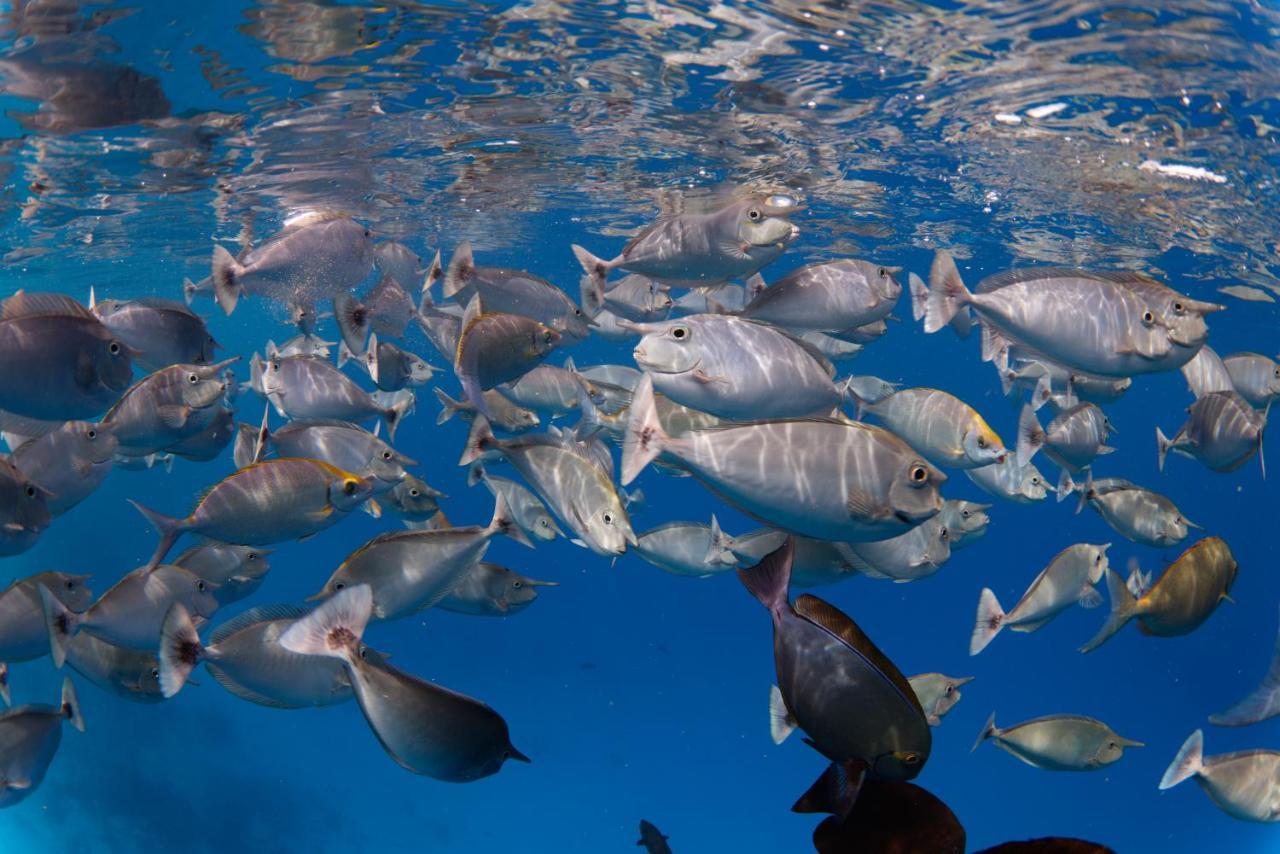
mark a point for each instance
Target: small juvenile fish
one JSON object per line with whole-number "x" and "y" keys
{"x": 413, "y": 500}
{"x": 1255, "y": 377}
{"x": 688, "y": 548}
{"x": 234, "y": 571}
{"x": 1073, "y": 439}
{"x": 1059, "y": 742}
{"x": 24, "y": 510}
{"x": 937, "y": 693}
{"x": 390, "y": 368}
{"x": 505, "y": 291}
{"x": 160, "y": 332}
{"x": 828, "y": 297}
{"x": 1188, "y": 592}
{"x": 944, "y": 428}
{"x": 1135, "y": 513}
{"x": 1244, "y": 784}
{"x": 653, "y": 840}
{"x": 425, "y": 728}
{"x": 1068, "y": 579}
{"x": 1008, "y": 480}
{"x": 24, "y": 635}
{"x": 503, "y": 414}
{"x": 497, "y": 348}
{"x": 1222, "y": 431}
{"x": 69, "y": 462}
{"x": 29, "y": 739}
{"x": 489, "y": 590}
{"x": 965, "y": 521}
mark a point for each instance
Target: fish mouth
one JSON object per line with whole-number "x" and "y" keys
{"x": 642, "y": 360}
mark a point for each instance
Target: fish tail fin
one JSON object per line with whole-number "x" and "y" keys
{"x": 835, "y": 791}
{"x": 479, "y": 441}
{"x": 769, "y": 579}
{"x": 434, "y": 271}
{"x": 589, "y": 421}
{"x": 1042, "y": 393}
{"x": 353, "y": 323}
{"x": 396, "y": 412}
{"x": 450, "y": 406}
{"x": 461, "y": 265}
{"x": 989, "y": 622}
{"x": 1030, "y": 435}
{"x": 369, "y": 361}
{"x": 167, "y": 527}
{"x": 61, "y": 623}
{"x": 188, "y": 291}
{"x": 69, "y": 703}
{"x": 781, "y": 724}
{"x": 719, "y": 553}
{"x": 633, "y": 501}
{"x": 504, "y": 522}
{"x": 344, "y": 353}
{"x": 335, "y": 627}
{"x": 4, "y": 684}
{"x": 180, "y": 649}
{"x": 1086, "y": 490}
{"x": 919, "y": 296}
{"x": 245, "y": 447}
{"x": 1066, "y": 485}
{"x": 595, "y": 270}
{"x": 1123, "y": 608}
{"x": 226, "y": 271}
{"x": 1163, "y": 444}
{"x": 1188, "y": 762}
{"x": 476, "y": 473}
{"x": 644, "y": 438}
{"x": 947, "y": 293}
{"x": 988, "y": 730}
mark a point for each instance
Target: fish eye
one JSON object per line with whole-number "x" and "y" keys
{"x": 543, "y": 523}
{"x": 517, "y": 584}
{"x": 340, "y": 585}
{"x": 155, "y": 673}
{"x": 386, "y": 455}
{"x": 349, "y": 487}
{"x": 608, "y": 518}
{"x": 1035, "y": 481}
{"x": 31, "y": 491}
{"x": 70, "y": 585}
{"x": 275, "y": 366}
{"x": 919, "y": 474}
{"x": 1148, "y": 318}
{"x": 754, "y": 214}
{"x": 911, "y": 759}
{"x": 1112, "y": 745}
{"x": 1179, "y": 308}
{"x": 882, "y": 272}
{"x": 945, "y": 534}
{"x": 950, "y": 689}
{"x": 193, "y": 378}
{"x": 1097, "y": 558}
{"x": 577, "y": 312}
{"x": 982, "y": 441}
{"x": 91, "y": 434}
{"x": 364, "y": 652}
{"x": 368, "y": 233}
{"x": 414, "y": 492}
{"x": 253, "y": 555}
{"x": 679, "y": 333}
{"x": 200, "y": 585}
{"x": 114, "y": 348}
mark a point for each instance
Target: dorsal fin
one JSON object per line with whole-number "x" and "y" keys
{"x": 828, "y": 616}
{"x": 1032, "y": 274}
{"x": 261, "y": 614}
{"x": 35, "y": 304}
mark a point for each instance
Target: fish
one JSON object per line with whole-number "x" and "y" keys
{"x": 828, "y": 297}
{"x": 1188, "y": 592}
{"x": 505, "y": 291}
{"x": 855, "y": 706}
{"x": 160, "y": 332}
{"x": 342, "y": 444}
{"x": 489, "y": 590}
{"x": 265, "y": 503}
{"x": 1008, "y": 480}
{"x": 413, "y": 500}
{"x": 571, "y": 484}
{"x": 965, "y": 521}
{"x": 234, "y": 572}
{"x": 1137, "y": 514}
{"x": 864, "y": 334}
{"x": 167, "y": 407}
{"x": 29, "y": 739}
{"x": 1059, "y": 742}
{"x": 653, "y": 840}
{"x": 1222, "y": 431}
{"x": 688, "y": 548}
{"x": 1121, "y": 333}
{"x": 527, "y": 509}
{"x": 210, "y": 442}
{"x": 131, "y": 611}
{"x": 246, "y": 658}
{"x": 813, "y": 562}
{"x": 944, "y": 428}
{"x": 549, "y": 389}
{"x": 410, "y": 571}
{"x": 831, "y": 479}
{"x": 399, "y": 263}
{"x": 1244, "y": 784}
{"x": 831, "y": 348}
{"x": 24, "y": 510}
{"x": 1073, "y": 439}
{"x": 735, "y": 369}
{"x": 425, "y": 728}
{"x": 309, "y": 387}
{"x": 937, "y": 693}
{"x": 313, "y": 257}
{"x": 70, "y": 463}
{"x": 131, "y": 674}
{"x": 1207, "y": 373}
{"x": 636, "y": 298}
{"x": 390, "y": 367}
{"x": 623, "y": 376}
{"x": 503, "y": 414}
{"x": 1256, "y": 378}
{"x": 895, "y": 817}
{"x": 916, "y": 554}
{"x": 1067, "y": 580}
{"x": 24, "y": 635}
{"x": 1026, "y": 370}
{"x": 692, "y": 250}
{"x": 868, "y": 389}
{"x": 302, "y": 345}
{"x": 1261, "y": 703}
{"x": 497, "y": 348}
{"x": 57, "y": 360}
{"x": 705, "y": 299}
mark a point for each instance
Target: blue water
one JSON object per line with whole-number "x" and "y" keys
{"x": 526, "y": 127}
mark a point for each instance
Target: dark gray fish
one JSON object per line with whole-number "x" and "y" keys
{"x": 390, "y": 367}
{"x": 653, "y": 840}
{"x": 413, "y": 500}
{"x": 425, "y": 728}
{"x": 245, "y": 656}
{"x": 505, "y": 291}
{"x": 386, "y": 311}
{"x": 131, "y": 674}
{"x": 160, "y": 332}
{"x": 1244, "y": 785}
{"x": 314, "y": 257}
{"x": 24, "y": 634}
{"x": 489, "y": 590}
{"x": 29, "y": 738}
{"x": 167, "y": 407}
{"x": 210, "y": 442}
{"x": 854, "y": 705}
{"x": 1222, "y": 431}
{"x": 828, "y": 297}
{"x": 308, "y": 387}
{"x": 495, "y": 348}
{"x": 1059, "y": 742}
{"x": 57, "y": 360}
{"x": 24, "y": 509}
{"x": 70, "y": 462}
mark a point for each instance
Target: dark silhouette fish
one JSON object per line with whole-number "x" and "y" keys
{"x": 653, "y": 840}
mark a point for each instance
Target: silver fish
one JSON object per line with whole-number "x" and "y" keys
{"x": 1067, "y": 580}
{"x": 386, "y": 311}
{"x": 1207, "y": 373}
{"x": 814, "y": 562}
{"x": 131, "y": 674}
{"x": 235, "y": 572}
{"x": 831, "y": 348}
{"x": 707, "y": 299}
{"x": 1244, "y": 785}
{"x": 70, "y": 462}
{"x": 828, "y": 297}
{"x": 29, "y": 738}
{"x": 942, "y": 427}
{"x": 210, "y": 442}
{"x": 505, "y": 291}
{"x": 313, "y": 258}
{"x": 245, "y": 656}
{"x": 342, "y": 444}
{"x": 688, "y": 548}
{"x": 965, "y": 521}
{"x": 1255, "y": 377}
{"x": 636, "y": 298}
{"x": 390, "y": 367}
{"x": 307, "y": 387}
{"x": 301, "y": 345}
{"x": 504, "y": 414}
{"x": 916, "y": 554}
{"x": 864, "y": 334}
{"x": 1021, "y": 485}
{"x": 549, "y": 389}
{"x": 832, "y": 479}
{"x": 1073, "y": 439}
{"x": 400, "y": 263}
{"x": 497, "y": 348}
{"x": 937, "y": 693}
{"x": 526, "y": 509}
{"x": 1059, "y": 742}
{"x": 1222, "y": 431}
{"x": 425, "y": 728}
{"x": 623, "y": 376}
{"x": 24, "y": 509}
{"x": 734, "y": 368}
{"x": 1137, "y": 514}
{"x": 24, "y": 635}
{"x": 167, "y": 407}
{"x": 489, "y": 590}
{"x": 413, "y": 500}
{"x": 160, "y": 332}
